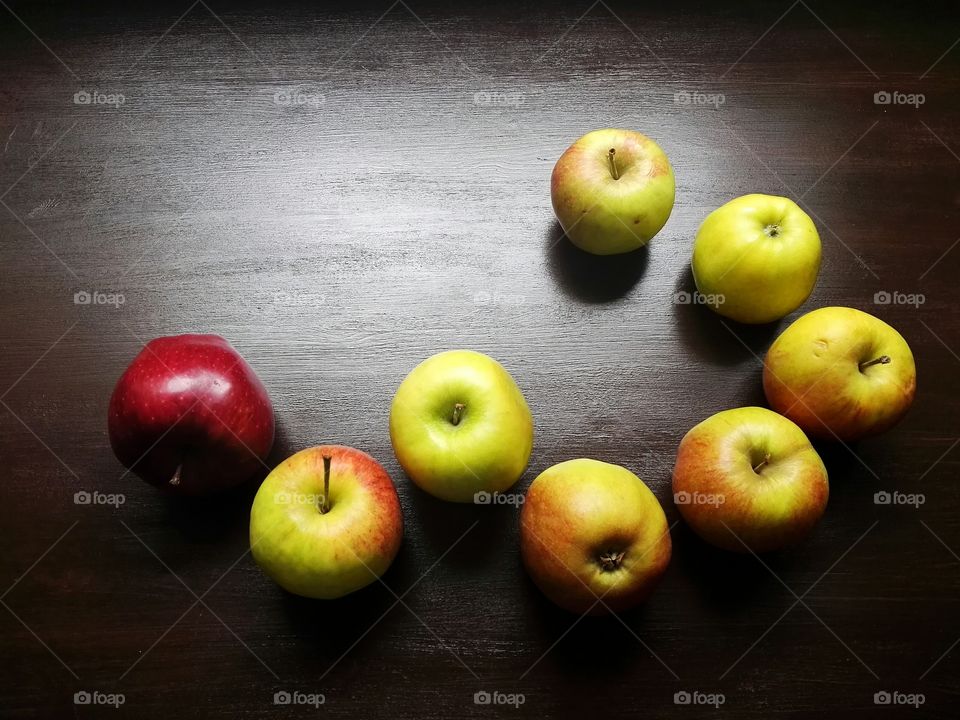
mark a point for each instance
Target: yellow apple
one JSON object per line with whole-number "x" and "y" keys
{"x": 460, "y": 426}
{"x": 840, "y": 373}
{"x": 756, "y": 258}
{"x": 612, "y": 190}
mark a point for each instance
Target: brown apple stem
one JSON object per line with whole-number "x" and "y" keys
{"x": 325, "y": 505}
{"x": 613, "y": 163}
{"x": 457, "y": 413}
{"x": 882, "y": 360}
{"x": 762, "y": 464}
{"x": 175, "y": 480}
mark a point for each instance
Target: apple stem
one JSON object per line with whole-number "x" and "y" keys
{"x": 762, "y": 464}
{"x": 175, "y": 480}
{"x": 882, "y": 360}
{"x": 457, "y": 413}
{"x": 325, "y": 505}
{"x": 613, "y": 163}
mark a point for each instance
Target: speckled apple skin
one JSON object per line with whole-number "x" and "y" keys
{"x": 191, "y": 401}
{"x": 326, "y": 555}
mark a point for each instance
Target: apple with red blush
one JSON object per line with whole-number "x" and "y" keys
{"x": 190, "y": 415}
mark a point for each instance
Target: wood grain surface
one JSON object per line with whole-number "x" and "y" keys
{"x": 344, "y": 190}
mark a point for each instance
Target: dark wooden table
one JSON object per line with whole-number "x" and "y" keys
{"x": 326, "y": 188}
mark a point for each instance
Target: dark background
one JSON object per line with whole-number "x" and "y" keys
{"x": 338, "y": 241}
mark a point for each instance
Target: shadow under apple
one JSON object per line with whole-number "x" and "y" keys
{"x": 227, "y": 513}
{"x": 593, "y": 647}
{"x": 333, "y": 626}
{"x": 440, "y": 524}
{"x": 592, "y": 278}
{"x": 728, "y": 582}
{"x": 713, "y": 337}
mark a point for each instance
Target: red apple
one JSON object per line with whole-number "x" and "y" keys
{"x": 190, "y": 415}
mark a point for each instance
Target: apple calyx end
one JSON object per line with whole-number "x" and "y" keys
{"x": 882, "y": 360}
{"x": 611, "y": 156}
{"x": 458, "y": 409}
{"x": 772, "y": 230}
{"x": 324, "y": 505}
{"x": 611, "y": 561}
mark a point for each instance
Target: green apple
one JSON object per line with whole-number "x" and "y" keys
{"x": 592, "y": 531}
{"x": 460, "y": 426}
{"x": 749, "y": 478}
{"x": 840, "y": 373}
{"x": 612, "y": 190}
{"x": 326, "y": 522}
{"x": 756, "y": 258}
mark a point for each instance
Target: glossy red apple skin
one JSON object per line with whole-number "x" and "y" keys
{"x": 191, "y": 402}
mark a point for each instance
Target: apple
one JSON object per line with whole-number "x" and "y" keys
{"x": 840, "y": 373}
{"x": 749, "y": 478}
{"x": 460, "y": 426}
{"x": 189, "y": 415}
{"x": 756, "y": 259}
{"x": 612, "y": 190}
{"x": 326, "y": 522}
{"x": 591, "y": 531}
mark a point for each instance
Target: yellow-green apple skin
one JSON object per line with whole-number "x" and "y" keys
{"x": 748, "y": 479}
{"x": 589, "y": 530}
{"x": 757, "y": 258}
{"x": 612, "y": 204}
{"x": 460, "y": 425}
{"x": 326, "y": 554}
{"x": 840, "y": 374}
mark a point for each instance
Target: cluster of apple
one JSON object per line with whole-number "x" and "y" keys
{"x": 190, "y": 415}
